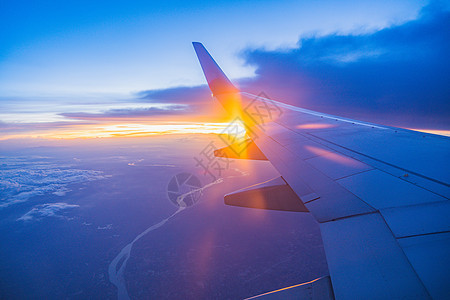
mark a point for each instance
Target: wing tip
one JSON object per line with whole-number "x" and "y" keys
{"x": 217, "y": 80}
{"x": 197, "y": 44}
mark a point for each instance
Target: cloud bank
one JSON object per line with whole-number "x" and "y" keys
{"x": 171, "y": 109}
{"x": 46, "y": 210}
{"x": 22, "y": 179}
{"x": 399, "y": 75}
{"x": 395, "y": 76}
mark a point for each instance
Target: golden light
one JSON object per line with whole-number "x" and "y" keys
{"x": 126, "y": 130}
{"x": 333, "y": 156}
{"x": 433, "y": 131}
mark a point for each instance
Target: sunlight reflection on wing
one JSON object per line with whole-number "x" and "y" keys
{"x": 333, "y": 156}
{"x": 314, "y": 126}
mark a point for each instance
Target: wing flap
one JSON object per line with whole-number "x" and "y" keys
{"x": 274, "y": 194}
{"x": 333, "y": 200}
{"x": 382, "y": 190}
{"x": 428, "y": 255}
{"x": 366, "y": 262}
{"x": 241, "y": 150}
{"x": 416, "y": 220}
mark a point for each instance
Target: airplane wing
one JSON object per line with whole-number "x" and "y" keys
{"x": 379, "y": 194}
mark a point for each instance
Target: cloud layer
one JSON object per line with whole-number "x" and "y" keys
{"x": 396, "y": 76}
{"x": 171, "y": 109}
{"x": 399, "y": 75}
{"x": 46, "y": 210}
{"x": 23, "y": 178}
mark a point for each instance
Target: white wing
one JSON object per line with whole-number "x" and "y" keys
{"x": 380, "y": 194}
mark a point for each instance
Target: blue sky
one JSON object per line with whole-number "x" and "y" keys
{"x": 80, "y": 47}
{"x": 115, "y": 63}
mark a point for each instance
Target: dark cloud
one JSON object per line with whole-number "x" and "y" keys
{"x": 198, "y": 101}
{"x": 173, "y": 109}
{"x": 177, "y": 101}
{"x": 397, "y": 76}
{"x": 180, "y": 95}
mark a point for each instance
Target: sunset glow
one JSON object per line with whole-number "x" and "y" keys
{"x": 125, "y": 130}
{"x": 224, "y": 149}
{"x": 433, "y": 131}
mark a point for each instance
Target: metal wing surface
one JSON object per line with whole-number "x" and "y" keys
{"x": 379, "y": 194}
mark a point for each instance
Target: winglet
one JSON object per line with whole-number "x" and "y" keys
{"x": 217, "y": 80}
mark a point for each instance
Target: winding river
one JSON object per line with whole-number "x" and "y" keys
{"x": 117, "y": 266}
